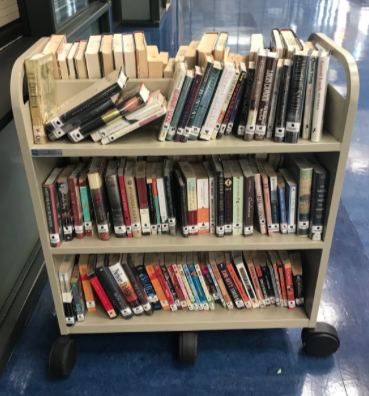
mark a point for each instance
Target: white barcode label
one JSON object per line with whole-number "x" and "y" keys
{"x": 190, "y": 307}
{"x": 237, "y": 226}
{"x": 195, "y": 307}
{"x": 90, "y": 304}
{"x": 126, "y": 312}
{"x": 69, "y": 320}
{"x": 58, "y": 133}
{"x": 172, "y": 221}
{"x": 54, "y": 238}
{"x": 68, "y": 230}
{"x": 145, "y": 227}
{"x": 183, "y": 304}
{"x": 292, "y": 228}
{"x": 291, "y": 304}
{"x": 303, "y": 225}
{"x": 80, "y": 317}
{"x": 206, "y": 306}
{"x": 228, "y": 227}
{"x": 67, "y": 297}
{"x": 165, "y": 227}
{"x": 241, "y": 130}
{"x": 262, "y": 221}
{"x": 154, "y": 228}
{"x": 211, "y": 306}
{"x": 193, "y": 229}
{"x": 136, "y": 226}
{"x": 56, "y": 123}
{"x": 248, "y": 304}
{"x": 260, "y": 130}
{"x": 88, "y": 225}
{"x": 275, "y": 227}
{"x": 159, "y": 227}
{"x": 293, "y": 126}
{"x": 203, "y": 226}
{"x": 216, "y": 296}
{"x": 239, "y": 303}
{"x": 178, "y": 303}
{"x": 129, "y": 229}
{"x": 267, "y": 301}
{"x": 279, "y": 132}
{"x": 185, "y": 230}
{"x": 284, "y": 227}
{"x": 317, "y": 229}
{"x": 229, "y": 305}
{"x": 174, "y": 308}
{"x": 299, "y": 301}
{"x": 147, "y": 307}
{"x": 220, "y": 230}
{"x": 120, "y": 230}
{"x": 272, "y": 300}
{"x": 76, "y": 136}
{"x": 152, "y": 299}
{"x": 180, "y": 131}
{"x": 138, "y": 310}
{"x": 164, "y": 303}
{"x": 103, "y": 228}
{"x": 79, "y": 229}
{"x": 250, "y": 129}
{"x": 248, "y": 230}
{"x": 201, "y": 307}
{"x": 261, "y": 303}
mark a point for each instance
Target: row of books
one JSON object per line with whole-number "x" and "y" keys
{"x": 223, "y": 195}
{"x": 137, "y": 284}
{"x": 277, "y": 92}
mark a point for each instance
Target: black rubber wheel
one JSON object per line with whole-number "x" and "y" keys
{"x": 323, "y": 341}
{"x": 188, "y": 347}
{"x": 63, "y": 356}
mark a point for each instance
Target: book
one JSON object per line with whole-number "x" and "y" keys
{"x": 320, "y": 96}
{"x": 54, "y": 47}
{"x": 208, "y": 277}
{"x": 191, "y": 54}
{"x": 116, "y": 209}
{"x": 296, "y": 264}
{"x": 75, "y": 200}
{"x": 156, "y": 197}
{"x": 273, "y": 265}
{"x": 42, "y": 93}
{"x": 179, "y": 275}
{"x": 255, "y": 95}
{"x": 99, "y": 198}
{"x": 219, "y": 196}
{"x": 111, "y": 287}
{"x": 267, "y": 276}
{"x": 70, "y": 61}
{"x": 274, "y": 201}
{"x": 88, "y": 213}
{"x": 202, "y": 190}
{"x": 248, "y": 257}
{"x": 181, "y": 261}
{"x": 178, "y": 80}
{"x": 181, "y": 54}
{"x": 169, "y": 69}
{"x": 206, "y": 47}
{"x": 140, "y": 176}
{"x": 248, "y": 198}
{"x": 220, "y": 46}
{"x": 163, "y": 281}
{"x": 80, "y": 61}
{"x": 211, "y": 192}
{"x": 281, "y": 190}
{"x": 98, "y": 287}
{"x": 129, "y": 55}
{"x": 89, "y": 296}
{"x": 134, "y": 213}
{"x": 162, "y": 200}
{"x": 228, "y": 199}
{"x": 244, "y": 111}
{"x": 63, "y": 63}
{"x": 238, "y": 197}
{"x": 164, "y": 57}
{"x": 141, "y": 55}
{"x": 266, "y": 194}
{"x": 319, "y": 189}
{"x": 303, "y": 172}
{"x": 198, "y": 303}
{"x": 150, "y": 198}
{"x": 65, "y": 275}
{"x": 291, "y": 200}
{"x": 155, "y": 64}
{"x": 52, "y": 208}
{"x": 213, "y": 261}
{"x": 218, "y": 296}
{"x": 65, "y": 203}
{"x": 92, "y": 56}
{"x": 169, "y": 196}
{"x": 260, "y": 276}
{"x": 172, "y": 270}
{"x": 123, "y": 195}
{"x": 283, "y": 255}
{"x": 190, "y": 180}
{"x": 118, "y": 51}
{"x": 107, "y": 54}
{"x": 191, "y": 259}
{"x": 181, "y": 196}
{"x": 208, "y": 297}
{"x": 259, "y": 197}
{"x": 273, "y": 271}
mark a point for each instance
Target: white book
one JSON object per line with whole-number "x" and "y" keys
{"x": 210, "y": 171}
{"x": 274, "y": 98}
{"x": 129, "y": 55}
{"x": 179, "y": 77}
{"x": 320, "y": 96}
{"x": 225, "y": 82}
{"x": 136, "y": 125}
{"x": 65, "y": 275}
{"x": 118, "y": 51}
{"x": 62, "y": 61}
{"x": 80, "y": 61}
{"x": 93, "y": 57}
{"x": 162, "y": 199}
{"x": 309, "y": 95}
{"x": 106, "y": 54}
{"x": 70, "y": 59}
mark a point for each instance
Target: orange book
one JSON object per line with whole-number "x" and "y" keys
{"x": 219, "y": 279}
{"x": 254, "y": 277}
{"x": 149, "y": 259}
{"x": 202, "y": 189}
{"x": 86, "y": 284}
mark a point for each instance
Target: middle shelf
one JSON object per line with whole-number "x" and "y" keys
{"x": 203, "y": 242}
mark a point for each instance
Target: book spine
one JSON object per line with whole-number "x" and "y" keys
{"x": 219, "y": 292}
{"x": 282, "y": 206}
{"x": 262, "y": 285}
{"x": 268, "y": 210}
{"x": 212, "y": 209}
{"x": 69, "y": 308}
{"x": 134, "y": 213}
{"x": 231, "y": 105}
{"x": 274, "y": 99}
{"x": 247, "y": 285}
{"x": 209, "y": 282}
{"x": 86, "y": 209}
{"x": 281, "y": 112}
{"x": 283, "y": 285}
{"x": 76, "y": 210}
{"x": 78, "y": 300}
{"x": 170, "y": 203}
{"x": 292, "y": 208}
{"x": 177, "y": 287}
{"x": 278, "y": 285}
{"x": 126, "y": 287}
{"x": 304, "y": 202}
{"x": 52, "y": 216}
{"x": 151, "y": 204}
{"x": 182, "y": 274}
{"x": 184, "y": 210}
{"x": 257, "y": 287}
{"x": 87, "y": 289}
{"x": 203, "y": 206}
{"x": 115, "y": 206}
{"x": 228, "y": 203}
{"x": 144, "y": 206}
{"x": 319, "y": 99}
{"x": 289, "y": 286}
{"x": 198, "y": 287}
{"x": 157, "y": 286}
{"x": 172, "y": 103}
{"x": 249, "y": 194}
{"x": 123, "y": 195}
{"x": 170, "y": 285}
{"x": 232, "y": 289}
{"x": 268, "y": 283}
{"x": 163, "y": 206}
{"x": 157, "y": 208}
{"x": 179, "y": 108}
{"x": 180, "y": 134}
{"x": 296, "y": 98}
{"x": 274, "y": 203}
{"x": 265, "y": 99}
{"x": 239, "y": 286}
{"x": 192, "y": 206}
{"x": 255, "y": 99}
{"x": 193, "y": 287}
{"x": 101, "y": 213}
{"x": 183, "y": 288}
{"x": 236, "y": 102}
{"x": 66, "y": 211}
{"x": 309, "y": 97}
{"x": 205, "y": 289}
{"x": 298, "y": 289}
{"x": 260, "y": 204}
{"x": 219, "y": 201}
{"x": 165, "y": 288}
{"x": 318, "y": 201}
{"x": 237, "y": 205}
{"x": 102, "y": 296}
{"x": 274, "y": 284}
{"x": 149, "y": 288}
{"x": 241, "y": 127}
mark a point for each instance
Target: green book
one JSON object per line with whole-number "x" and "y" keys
{"x": 237, "y": 207}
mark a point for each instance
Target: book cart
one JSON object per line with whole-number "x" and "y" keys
{"x": 319, "y": 339}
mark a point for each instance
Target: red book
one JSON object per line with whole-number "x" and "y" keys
{"x": 123, "y": 194}
{"x": 168, "y": 262}
{"x": 283, "y": 285}
{"x": 142, "y": 197}
{"x": 288, "y": 278}
{"x": 254, "y": 278}
{"x": 75, "y": 200}
{"x": 163, "y": 283}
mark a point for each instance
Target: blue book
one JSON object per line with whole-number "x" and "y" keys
{"x": 282, "y": 204}
{"x": 198, "y": 286}
{"x": 290, "y": 200}
{"x": 192, "y": 285}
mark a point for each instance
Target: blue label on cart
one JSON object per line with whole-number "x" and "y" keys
{"x": 47, "y": 153}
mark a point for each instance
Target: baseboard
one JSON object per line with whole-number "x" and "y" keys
{"x": 18, "y": 308}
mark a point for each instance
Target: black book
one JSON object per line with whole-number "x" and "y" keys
{"x": 111, "y": 287}
{"x": 259, "y": 273}
{"x": 298, "y": 286}
{"x": 219, "y": 196}
{"x": 116, "y": 209}
{"x": 267, "y": 277}
{"x": 181, "y": 196}
{"x": 169, "y": 282}
{"x": 146, "y": 282}
{"x": 151, "y": 199}
{"x": 241, "y": 126}
{"x": 168, "y": 169}
{"x": 228, "y": 199}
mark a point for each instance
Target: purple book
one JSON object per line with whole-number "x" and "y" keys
{"x": 188, "y": 107}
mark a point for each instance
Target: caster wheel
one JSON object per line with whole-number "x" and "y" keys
{"x": 188, "y": 347}
{"x": 63, "y": 356}
{"x": 323, "y": 341}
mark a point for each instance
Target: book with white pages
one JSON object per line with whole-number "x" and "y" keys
{"x": 62, "y": 60}
{"x": 80, "y": 61}
{"x": 129, "y": 55}
{"x": 118, "y": 51}
{"x": 70, "y": 60}
{"x": 92, "y": 57}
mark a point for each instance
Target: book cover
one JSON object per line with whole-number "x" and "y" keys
{"x": 281, "y": 189}
{"x": 219, "y": 196}
{"x": 266, "y": 195}
{"x": 259, "y": 274}
{"x": 202, "y": 189}
{"x": 212, "y": 209}
{"x": 171, "y": 267}
{"x": 259, "y": 199}
{"x": 237, "y": 195}
{"x": 254, "y": 277}
{"x": 228, "y": 199}
{"x": 75, "y": 200}
{"x": 140, "y": 176}
{"x": 207, "y": 276}
{"x": 168, "y": 281}
{"x": 65, "y": 276}
{"x": 88, "y": 213}
{"x": 79, "y": 301}
{"x": 169, "y": 196}
{"x": 180, "y": 262}
{"x": 181, "y": 197}
{"x": 200, "y": 292}
{"x": 134, "y": 212}
{"x": 179, "y": 275}
{"x": 275, "y": 281}
{"x": 274, "y": 201}
{"x": 162, "y": 199}
{"x": 86, "y": 284}
{"x": 150, "y": 198}
{"x": 283, "y": 255}
{"x": 262, "y": 256}
{"x": 273, "y": 262}
{"x": 249, "y": 198}
{"x": 148, "y": 262}
{"x": 163, "y": 283}
{"x": 295, "y": 259}
{"x": 241, "y": 126}
{"x": 197, "y": 302}
{"x": 291, "y": 200}
{"x": 123, "y": 194}
{"x": 219, "y": 292}
{"x": 156, "y": 198}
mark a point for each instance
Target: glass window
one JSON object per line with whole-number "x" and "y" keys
{"x": 64, "y": 9}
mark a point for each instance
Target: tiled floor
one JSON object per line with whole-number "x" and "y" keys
{"x": 237, "y": 362}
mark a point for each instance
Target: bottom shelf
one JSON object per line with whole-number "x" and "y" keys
{"x": 219, "y": 319}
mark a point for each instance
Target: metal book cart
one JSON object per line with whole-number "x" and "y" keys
{"x": 332, "y": 152}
